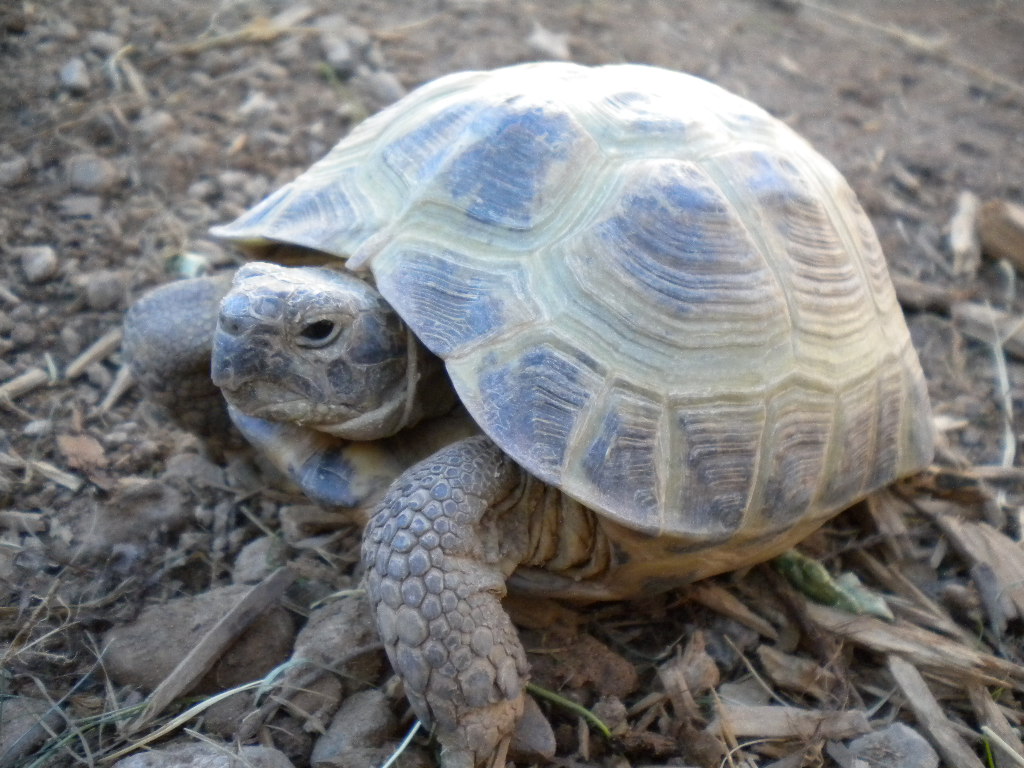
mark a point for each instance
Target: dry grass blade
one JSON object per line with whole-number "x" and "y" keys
{"x": 209, "y": 649}
{"x": 930, "y": 715}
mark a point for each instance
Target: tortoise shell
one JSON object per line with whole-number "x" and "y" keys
{"x": 648, "y": 291}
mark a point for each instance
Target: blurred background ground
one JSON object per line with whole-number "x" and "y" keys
{"x": 127, "y": 129}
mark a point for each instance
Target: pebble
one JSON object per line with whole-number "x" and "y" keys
{"x": 156, "y": 123}
{"x": 361, "y": 726}
{"x": 23, "y": 334}
{"x": 143, "y": 652}
{"x": 26, "y": 723}
{"x": 898, "y": 746}
{"x": 81, "y": 206}
{"x": 39, "y": 263}
{"x": 104, "y": 42}
{"x": 257, "y": 559}
{"x": 104, "y": 289}
{"x": 381, "y": 86}
{"x": 90, "y": 173}
{"x": 207, "y": 755}
{"x": 74, "y": 77}
{"x": 12, "y": 171}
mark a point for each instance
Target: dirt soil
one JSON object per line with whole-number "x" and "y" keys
{"x": 128, "y": 129}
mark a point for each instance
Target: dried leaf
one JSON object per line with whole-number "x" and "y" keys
{"x": 82, "y": 452}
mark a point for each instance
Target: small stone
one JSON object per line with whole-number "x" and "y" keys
{"x": 207, "y": 755}
{"x": 104, "y": 289}
{"x": 74, "y": 77}
{"x": 157, "y": 123}
{"x": 145, "y": 651}
{"x": 90, "y": 173}
{"x": 81, "y": 206}
{"x": 382, "y": 87}
{"x": 550, "y": 45}
{"x": 257, "y": 559}
{"x": 26, "y": 723}
{"x": 12, "y": 171}
{"x": 897, "y": 746}
{"x": 104, "y": 42}
{"x": 98, "y": 375}
{"x": 39, "y": 263}
{"x": 37, "y": 428}
{"x": 364, "y": 721}
{"x": 23, "y": 334}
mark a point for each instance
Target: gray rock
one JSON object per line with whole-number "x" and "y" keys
{"x": 24, "y": 724}
{"x": 12, "y": 171}
{"x": 104, "y": 42}
{"x": 257, "y": 559}
{"x": 39, "y": 263}
{"x": 364, "y": 721}
{"x": 104, "y": 289}
{"x": 897, "y": 746}
{"x": 74, "y": 77}
{"x": 207, "y": 756}
{"x": 381, "y": 86}
{"x": 144, "y": 652}
{"x": 81, "y": 206}
{"x": 91, "y": 173}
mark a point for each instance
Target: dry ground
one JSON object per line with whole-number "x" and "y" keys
{"x": 127, "y": 129}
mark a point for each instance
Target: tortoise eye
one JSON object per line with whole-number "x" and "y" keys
{"x": 318, "y": 333}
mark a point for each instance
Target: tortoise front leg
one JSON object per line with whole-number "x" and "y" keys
{"x": 168, "y": 338}
{"x": 436, "y": 570}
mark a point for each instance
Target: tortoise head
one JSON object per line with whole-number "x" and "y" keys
{"x": 315, "y": 347}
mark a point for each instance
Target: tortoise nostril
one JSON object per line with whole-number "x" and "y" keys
{"x": 318, "y": 333}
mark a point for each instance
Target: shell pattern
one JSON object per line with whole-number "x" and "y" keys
{"x": 647, "y": 290}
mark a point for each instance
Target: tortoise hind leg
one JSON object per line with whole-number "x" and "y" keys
{"x": 168, "y": 338}
{"x": 436, "y": 573}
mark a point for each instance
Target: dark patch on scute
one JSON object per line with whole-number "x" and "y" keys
{"x": 499, "y": 178}
{"x": 531, "y": 405}
{"x": 854, "y": 441}
{"x": 798, "y": 447}
{"x": 676, "y": 239}
{"x": 449, "y": 305}
{"x": 422, "y": 152}
{"x": 621, "y": 461}
{"x": 721, "y": 444}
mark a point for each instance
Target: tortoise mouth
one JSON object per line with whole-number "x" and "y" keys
{"x": 276, "y": 402}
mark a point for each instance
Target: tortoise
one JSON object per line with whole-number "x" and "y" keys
{"x": 667, "y": 322}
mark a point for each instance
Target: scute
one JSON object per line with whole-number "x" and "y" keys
{"x": 647, "y": 291}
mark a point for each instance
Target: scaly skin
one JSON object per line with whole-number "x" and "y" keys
{"x": 436, "y": 572}
{"x": 168, "y": 335}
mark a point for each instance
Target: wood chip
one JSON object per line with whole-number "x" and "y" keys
{"x": 930, "y": 650}
{"x": 796, "y": 674}
{"x": 1001, "y": 226}
{"x": 23, "y": 383}
{"x": 990, "y": 325}
{"x": 929, "y": 714}
{"x": 770, "y": 722}
{"x": 981, "y": 544}
{"x": 921, "y": 296}
{"x": 724, "y": 602}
